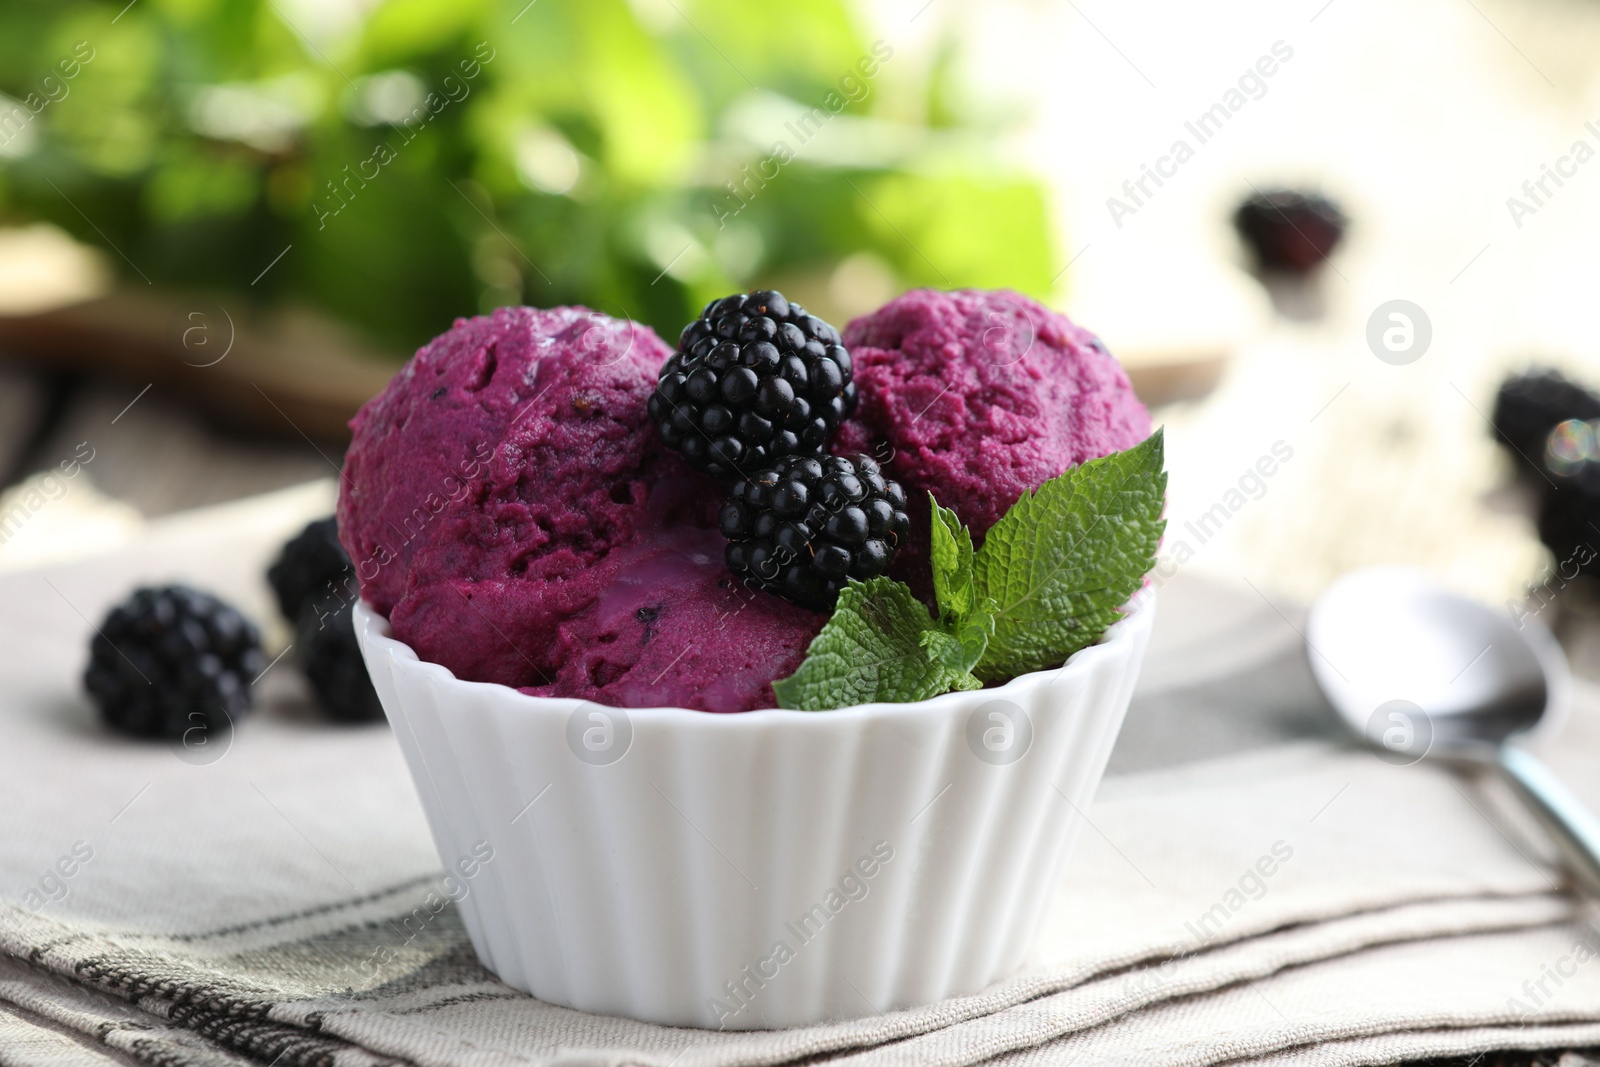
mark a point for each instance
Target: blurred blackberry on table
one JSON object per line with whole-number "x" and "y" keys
{"x": 316, "y": 589}
{"x": 170, "y": 660}
{"x": 755, "y": 378}
{"x": 1550, "y": 425}
{"x": 313, "y": 563}
{"x": 1529, "y": 406}
{"x": 326, "y": 649}
{"x": 1569, "y": 511}
{"x": 1289, "y": 231}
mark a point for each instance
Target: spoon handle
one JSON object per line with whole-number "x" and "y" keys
{"x": 1564, "y": 817}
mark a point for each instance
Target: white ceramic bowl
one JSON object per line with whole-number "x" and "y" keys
{"x": 765, "y": 869}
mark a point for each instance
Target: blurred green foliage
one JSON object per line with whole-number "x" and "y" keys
{"x": 424, "y": 159}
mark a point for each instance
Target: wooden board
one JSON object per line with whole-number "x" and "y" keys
{"x": 286, "y": 374}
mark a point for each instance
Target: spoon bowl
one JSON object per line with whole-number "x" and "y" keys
{"x": 1417, "y": 671}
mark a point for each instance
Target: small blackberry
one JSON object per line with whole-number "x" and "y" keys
{"x": 801, "y": 528}
{"x": 170, "y": 659}
{"x": 1569, "y": 525}
{"x": 755, "y": 378}
{"x": 325, "y": 643}
{"x": 1529, "y": 406}
{"x": 1288, "y": 230}
{"x": 316, "y": 586}
{"x": 311, "y": 564}
{"x": 1569, "y": 506}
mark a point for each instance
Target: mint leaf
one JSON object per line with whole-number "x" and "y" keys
{"x": 1048, "y": 580}
{"x": 966, "y": 623}
{"x": 961, "y": 647}
{"x": 941, "y": 647}
{"x": 975, "y": 631}
{"x": 871, "y": 650}
{"x": 952, "y": 563}
{"x": 1066, "y": 556}
{"x": 946, "y": 649}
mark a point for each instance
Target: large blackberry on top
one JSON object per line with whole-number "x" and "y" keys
{"x": 805, "y": 526}
{"x": 755, "y": 378}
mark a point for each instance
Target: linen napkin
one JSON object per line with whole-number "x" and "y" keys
{"x": 1249, "y": 887}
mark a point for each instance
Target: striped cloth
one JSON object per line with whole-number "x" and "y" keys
{"x": 1250, "y": 888}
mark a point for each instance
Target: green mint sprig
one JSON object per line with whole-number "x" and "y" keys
{"x": 872, "y": 650}
{"x": 1048, "y": 581}
{"x": 966, "y": 619}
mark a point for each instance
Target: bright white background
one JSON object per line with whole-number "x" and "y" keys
{"x": 1422, "y": 118}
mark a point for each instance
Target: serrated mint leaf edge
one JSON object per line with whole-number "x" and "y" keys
{"x": 1020, "y": 512}
{"x": 970, "y": 619}
{"x": 1029, "y": 499}
{"x": 951, "y": 556}
{"x": 974, "y": 632}
{"x": 863, "y": 682}
{"x": 1001, "y": 660}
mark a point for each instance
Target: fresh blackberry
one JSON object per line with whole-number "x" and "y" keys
{"x": 171, "y": 659}
{"x": 316, "y": 586}
{"x": 1529, "y": 406}
{"x": 801, "y": 528}
{"x": 1288, "y": 230}
{"x": 313, "y": 563}
{"x": 1569, "y": 507}
{"x": 1569, "y": 525}
{"x": 755, "y": 378}
{"x": 325, "y": 643}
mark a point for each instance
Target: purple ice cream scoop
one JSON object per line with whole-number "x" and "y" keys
{"x": 508, "y": 504}
{"x": 976, "y": 395}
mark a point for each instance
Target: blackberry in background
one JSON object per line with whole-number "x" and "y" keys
{"x": 755, "y": 378}
{"x": 1289, "y": 231}
{"x": 1550, "y": 425}
{"x": 1528, "y": 406}
{"x": 1569, "y": 525}
{"x": 326, "y": 648}
{"x": 171, "y": 659}
{"x": 311, "y": 562}
{"x": 804, "y": 527}
{"x": 316, "y": 589}
{"x": 1569, "y": 512}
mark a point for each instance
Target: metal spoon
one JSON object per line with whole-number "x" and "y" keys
{"x": 1418, "y": 671}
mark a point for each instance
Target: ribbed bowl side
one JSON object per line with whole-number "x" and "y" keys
{"x": 759, "y": 870}
{"x": 387, "y": 668}
{"x": 1092, "y": 716}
